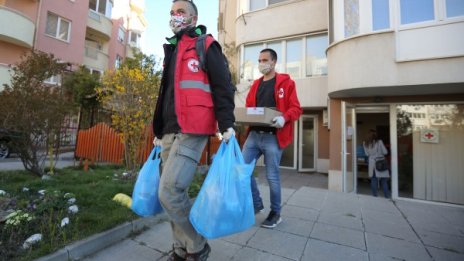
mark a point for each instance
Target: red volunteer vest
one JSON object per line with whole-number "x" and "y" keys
{"x": 192, "y": 92}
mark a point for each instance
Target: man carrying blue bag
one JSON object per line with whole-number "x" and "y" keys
{"x": 192, "y": 104}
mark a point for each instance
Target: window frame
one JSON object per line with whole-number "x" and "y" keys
{"x": 283, "y": 55}
{"x": 266, "y": 4}
{"x": 107, "y": 12}
{"x": 121, "y": 35}
{"x": 137, "y": 41}
{"x": 58, "y": 27}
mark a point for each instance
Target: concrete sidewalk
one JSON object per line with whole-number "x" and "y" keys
{"x": 14, "y": 163}
{"x": 318, "y": 224}
{"x": 324, "y": 225}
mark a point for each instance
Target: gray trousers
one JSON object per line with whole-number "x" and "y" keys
{"x": 180, "y": 155}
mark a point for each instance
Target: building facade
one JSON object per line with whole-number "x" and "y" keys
{"x": 98, "y": 34}
{"x": 395, "y": 66}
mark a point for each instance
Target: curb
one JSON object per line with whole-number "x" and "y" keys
{"x": 97, "y": 242}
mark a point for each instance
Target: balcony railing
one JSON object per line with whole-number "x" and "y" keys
{"x": 100, "y": 24}
{"x": 95, "y": 58}
{"x": 16, "y": 28}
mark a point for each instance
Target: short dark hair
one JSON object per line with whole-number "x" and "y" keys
{"x": 192, "y": 5}
{"x": 272, "y": 52}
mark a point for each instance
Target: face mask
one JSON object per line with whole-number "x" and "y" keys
{"x": 178, "y": 22}
{"x": 264, "y": 68}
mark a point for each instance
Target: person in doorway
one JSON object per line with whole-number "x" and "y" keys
{"x": 271, "y": 90}
{"x": 192, "y": 104}
{"x": 374, "y": 149}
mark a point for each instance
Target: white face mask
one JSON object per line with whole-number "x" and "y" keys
{"x": 265, "y": 68}
{"x": 179, "y": 22}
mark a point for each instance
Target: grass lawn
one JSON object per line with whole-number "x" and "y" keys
{"x": 43, "y": 211}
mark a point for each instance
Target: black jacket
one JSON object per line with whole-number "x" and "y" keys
{"x": 165, "y": 118}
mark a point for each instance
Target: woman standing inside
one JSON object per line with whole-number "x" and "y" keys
{"x": 375, "y": 150}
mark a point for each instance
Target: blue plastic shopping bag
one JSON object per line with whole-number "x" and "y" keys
{"x": 224, "y": 205}
{"x": 145, "y": 200}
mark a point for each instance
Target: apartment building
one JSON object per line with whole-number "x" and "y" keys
{"x": 395, "y": 66}
{"x": 98, "y": 34}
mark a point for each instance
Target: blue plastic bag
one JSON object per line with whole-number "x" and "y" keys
{"x": 145, "y": 200}
{"x": 224, "y": 205}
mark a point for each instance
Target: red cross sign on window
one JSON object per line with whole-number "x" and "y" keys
{"x": 430, "y": 135}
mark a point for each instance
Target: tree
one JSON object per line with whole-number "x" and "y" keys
{"x": 130, "y": 92}
{"x": 82, "y": 85}
{"x": 34, "y": 109}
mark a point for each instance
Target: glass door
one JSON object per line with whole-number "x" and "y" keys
{"x": 307, "y": 147}
{"x": 348, "y": 147}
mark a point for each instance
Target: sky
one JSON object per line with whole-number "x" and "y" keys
{"x": 157, "y": 15}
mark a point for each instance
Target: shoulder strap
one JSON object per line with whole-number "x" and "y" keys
{"x": 200, "y": 47}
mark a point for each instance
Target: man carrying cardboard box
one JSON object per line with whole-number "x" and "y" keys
{"x": 272, "y": 90}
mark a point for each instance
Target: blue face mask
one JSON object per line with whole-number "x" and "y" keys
{"x": 179, "y": 22}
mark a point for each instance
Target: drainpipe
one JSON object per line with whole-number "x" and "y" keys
{"x": 39, "y": 9}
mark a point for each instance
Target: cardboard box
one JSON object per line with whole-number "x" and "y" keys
{"x": 256, "y": 115}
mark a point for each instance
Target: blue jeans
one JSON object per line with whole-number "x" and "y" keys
{"x": 258, "y": 144}
{"x": 383, "y": 184}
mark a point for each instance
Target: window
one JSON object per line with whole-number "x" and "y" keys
{"x": 261, "y": 4}
{"x": 316, "y": 60}
{"x": 58, "y": 27}
{"x": 55, "y": 79}
{"x": 454, "y": 8}
{"x": 134, "y": 39}
{"x": 277, "y": 47}
{"x": 95, "y": 72}
{"x": 121, "y": 34}
{"x": 271, "y": 2}
{"x": 294, "y": 58}
{"x": 103, "y": 7}
{"x": 257, "y": 4}
{"x": 380, "y": 15}
{"x": 118, "y": 61}
{"x": 351, "y": 13}
{"x": 415, "y": 11}
{"x": 249, "y": 68}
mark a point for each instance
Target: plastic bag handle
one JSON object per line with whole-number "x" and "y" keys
{"x": 233, "y": 148}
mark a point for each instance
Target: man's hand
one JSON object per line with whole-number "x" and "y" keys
{"x": 278, "y": 122}
{"x": 228, "y": 134}
{"x": 157, "y": 142}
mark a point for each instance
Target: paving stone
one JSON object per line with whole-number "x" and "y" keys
{"x": 295, "y": 226}
{"x": 255, "y": 255}
{"x": 388, "y": 224}
{"x": 241, "y": 238}
{"x": 341, "y": 219}
{"x": 125, "y": 251}
{"x": 325, "y": 251}
{"x": 378, "y": 204}
{"x": 158, "y": 237}
{"x": 339, "y": 235}
{"x": 278, "y": 243}
{"x": 379, "y": 257}
{"x": 398, "y": 248}
{"x": 299, "y": 212}
{"x": 445, "y": 255}
{"x": 223, "y": 250}
{"x": 351, "y": 208}
{"x": 305, "y": 202}
{"x": 440, "y": 240}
